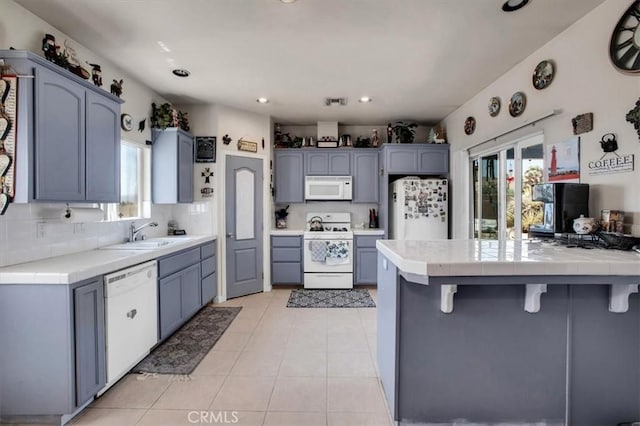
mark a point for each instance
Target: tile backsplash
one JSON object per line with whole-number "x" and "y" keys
{"x": 36, "y": 231}
{"x": 298, "y": 212}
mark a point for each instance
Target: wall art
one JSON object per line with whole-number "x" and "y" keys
{"x": 543, "y": 75}
{"x": 611, "y": 161}
{"x": 244, "y": 145}
{"x": 633, "y": 117}
{"x": 517, "y": 104}
{"x": 563, "y": 161}
{"x": 469, "y": 125}
{"x": 582, "y": 123}
{"x": 205, "y": 149}
{"x": 494, "y": 106}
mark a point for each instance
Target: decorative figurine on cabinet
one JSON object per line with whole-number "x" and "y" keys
{"x": 49, "y": 47}
{"x": 96, "y": 74}
{"x": 389, "y": 133}
{"x": 375, "y": 140}
{"x": 116, "y": 87}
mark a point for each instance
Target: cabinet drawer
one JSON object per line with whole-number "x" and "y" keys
{"x": 176, "y": 262}
{"x": 293, "y": 241}
{"x": 208, "y": 250}
{"x": 208, "y": 266}
{"x": 286, "y": 273}
{"x": 286, "y": 254}
{"x": 367, "y": 240}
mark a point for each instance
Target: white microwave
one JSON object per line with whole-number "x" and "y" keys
{"x": 327, "y": 187}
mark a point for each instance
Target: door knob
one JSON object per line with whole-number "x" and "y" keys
{"x": 229, "y": 235}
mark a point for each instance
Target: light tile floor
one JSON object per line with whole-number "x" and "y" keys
{"x": 273, "y": 366}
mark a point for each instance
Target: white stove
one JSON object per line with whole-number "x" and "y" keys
{"x": 328, "y": 251}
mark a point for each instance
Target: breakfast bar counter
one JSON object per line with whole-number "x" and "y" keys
{"x": 511, "y": 332}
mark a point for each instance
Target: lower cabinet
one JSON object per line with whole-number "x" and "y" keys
{"x": 179, "y": 298}
{"x": 88, "y": 325}
{"x": 208, "y": 269}
{"x": 366, "y": 269}
{"x": 286, "y": 259}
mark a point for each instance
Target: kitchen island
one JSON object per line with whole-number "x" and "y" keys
{"x": 510, "y": 332}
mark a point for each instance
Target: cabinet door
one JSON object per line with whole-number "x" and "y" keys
{"x": 340, "y": 163}
{"x": 88, "y": 320}
{"x": 316, "y": 163}
{"x": 289, "y": 177}
{"x": 191, "y": 291}
{"x": 434, "y": 160}
{"x": 286, "y": 273}
{"x": 401, "y": 160}
{"x": 366, "y": 266}
{"x": 365, "y": 176}
{"x": 59, "y": 139}
{"x": 103, "y": 149}
{"x": 185, "y": 168}
{"x": 170, "y": 303}
{"x": 209, "y": 288}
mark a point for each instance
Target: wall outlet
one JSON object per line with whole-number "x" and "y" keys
{"x": 78, "y": 228}
{"x": 41, "y": 230}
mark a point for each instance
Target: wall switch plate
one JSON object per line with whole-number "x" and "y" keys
{"x": 41, "y": 230}
{"x": 78, "y": 228}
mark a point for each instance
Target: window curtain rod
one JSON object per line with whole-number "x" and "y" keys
{"x": 477, "y": 147}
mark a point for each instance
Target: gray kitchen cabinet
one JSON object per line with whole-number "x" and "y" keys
{"x": 179, "y": 289}
{"x": 288, "y": 176}
{"x": 364, "y": 165}
{"x": 208, "y": 267}
{"x": 53, "y": 350}
{"x": 327, "y": 162}
{"x": 68, "y": 135}
{"x": 89, "y": 329}
{"x": 366, "y": 271}
{"x": 172, "y": 166}
{"x": 286, "y": 259}
{"x": 421, "y": 159}
{"x": 102, "y": 149}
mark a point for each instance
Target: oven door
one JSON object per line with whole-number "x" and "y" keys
{"x": 323, "y": 188}
{"x": 328, "y": 256}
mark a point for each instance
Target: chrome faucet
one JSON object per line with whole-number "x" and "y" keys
{"x": 134, "y": 233}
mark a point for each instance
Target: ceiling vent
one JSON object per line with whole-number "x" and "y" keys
{"x": 335, "y": 101}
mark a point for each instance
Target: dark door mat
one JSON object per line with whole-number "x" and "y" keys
{"x": 349, "y": 298}
{"x": 183, "y": 350}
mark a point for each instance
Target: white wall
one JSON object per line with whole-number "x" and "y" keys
{"x": 19, "y": 241}
{"x": 585, "y": 81}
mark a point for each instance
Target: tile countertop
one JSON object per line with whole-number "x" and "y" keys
{"x": 286, "y": 232}
{"x": 505, "y": 258}
{"x": 356, "y": 231}
{"x": 75, "y": 267}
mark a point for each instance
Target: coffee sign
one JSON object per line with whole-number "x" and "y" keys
{"x": 611, "y": 161}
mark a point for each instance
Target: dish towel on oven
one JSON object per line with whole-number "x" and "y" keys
{"x": 318, "y": 251}
{"x": 337, "y": 252}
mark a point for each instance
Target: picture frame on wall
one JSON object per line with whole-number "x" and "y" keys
{"x": 205, "y": 149}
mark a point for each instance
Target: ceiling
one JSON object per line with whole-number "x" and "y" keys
{"x": 418, "y": 59}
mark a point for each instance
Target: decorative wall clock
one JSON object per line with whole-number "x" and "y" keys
{"x": 470, "y": 125}
{"x": 126, "y": 122}
{"x": 517, "y": 104}
{"x": 494, "y": 106}
{"x": 624, "y": 48}
{"x": 543, "y": 75}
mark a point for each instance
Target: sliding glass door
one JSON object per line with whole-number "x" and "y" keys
{"x": 502, "y": 182}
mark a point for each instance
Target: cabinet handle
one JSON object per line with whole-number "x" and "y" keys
{"x": 229, "y": 235}
{"x": 132, "y": 313}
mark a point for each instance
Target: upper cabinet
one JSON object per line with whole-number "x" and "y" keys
{"x": 288, "y": 176}
{"x": 171, "y": 166}
{"x": 68, "y": 135}
{"x": 327, "y": 162}
{"x": 365, "y": 168}
{"x": 421, "y": 159}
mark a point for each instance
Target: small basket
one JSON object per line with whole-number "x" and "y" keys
{"x": 611, "y": 240}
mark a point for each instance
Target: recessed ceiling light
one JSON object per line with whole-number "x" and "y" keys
{"x": 181, "y": 72}
{"x": 262, "y": 100}
{"x": 513, "y": 5}
{"x": 287, "y": 1}
{"x": 163, "y": 46}
{"x": 364, "y": 99}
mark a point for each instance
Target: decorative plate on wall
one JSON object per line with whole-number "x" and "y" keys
{"x": 543, "y": 74}
{"x": 494, "y": 106}
{"x": 624, "y": 48}
{"x": 126, "y": 122}
{"x": 469, "y": 125}
{"x": 517, "y": 104}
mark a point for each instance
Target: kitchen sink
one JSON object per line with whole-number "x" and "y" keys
{"x": 148, "y": 244}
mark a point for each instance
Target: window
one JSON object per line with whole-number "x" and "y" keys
{"x": 131, "y": 184}
{"x": 502, "y": 188}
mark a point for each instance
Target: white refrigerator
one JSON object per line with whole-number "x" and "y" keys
{"x": 419, "y": 209}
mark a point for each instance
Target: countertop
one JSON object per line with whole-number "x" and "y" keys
{"x": 76, "y": 267}
{"x": 368, "y": 231}
{"x": 505, "y": 258}
{"x": 356, "y": 231}
{"x": 287, "y": 231}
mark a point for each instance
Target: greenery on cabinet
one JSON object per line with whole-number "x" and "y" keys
{"x": 167, "y": 116}
{"x": 404, "y": 132}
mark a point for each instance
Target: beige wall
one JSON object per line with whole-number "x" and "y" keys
{"x": 585, "y": 81}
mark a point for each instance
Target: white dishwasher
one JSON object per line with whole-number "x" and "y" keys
{"x": 131, "y": 310}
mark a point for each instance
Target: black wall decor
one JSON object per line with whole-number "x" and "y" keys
{"x": 633, "y": 117}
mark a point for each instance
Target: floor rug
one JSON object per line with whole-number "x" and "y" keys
{"x": 351, "y": 298}
{"x": 184, "y": 349}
